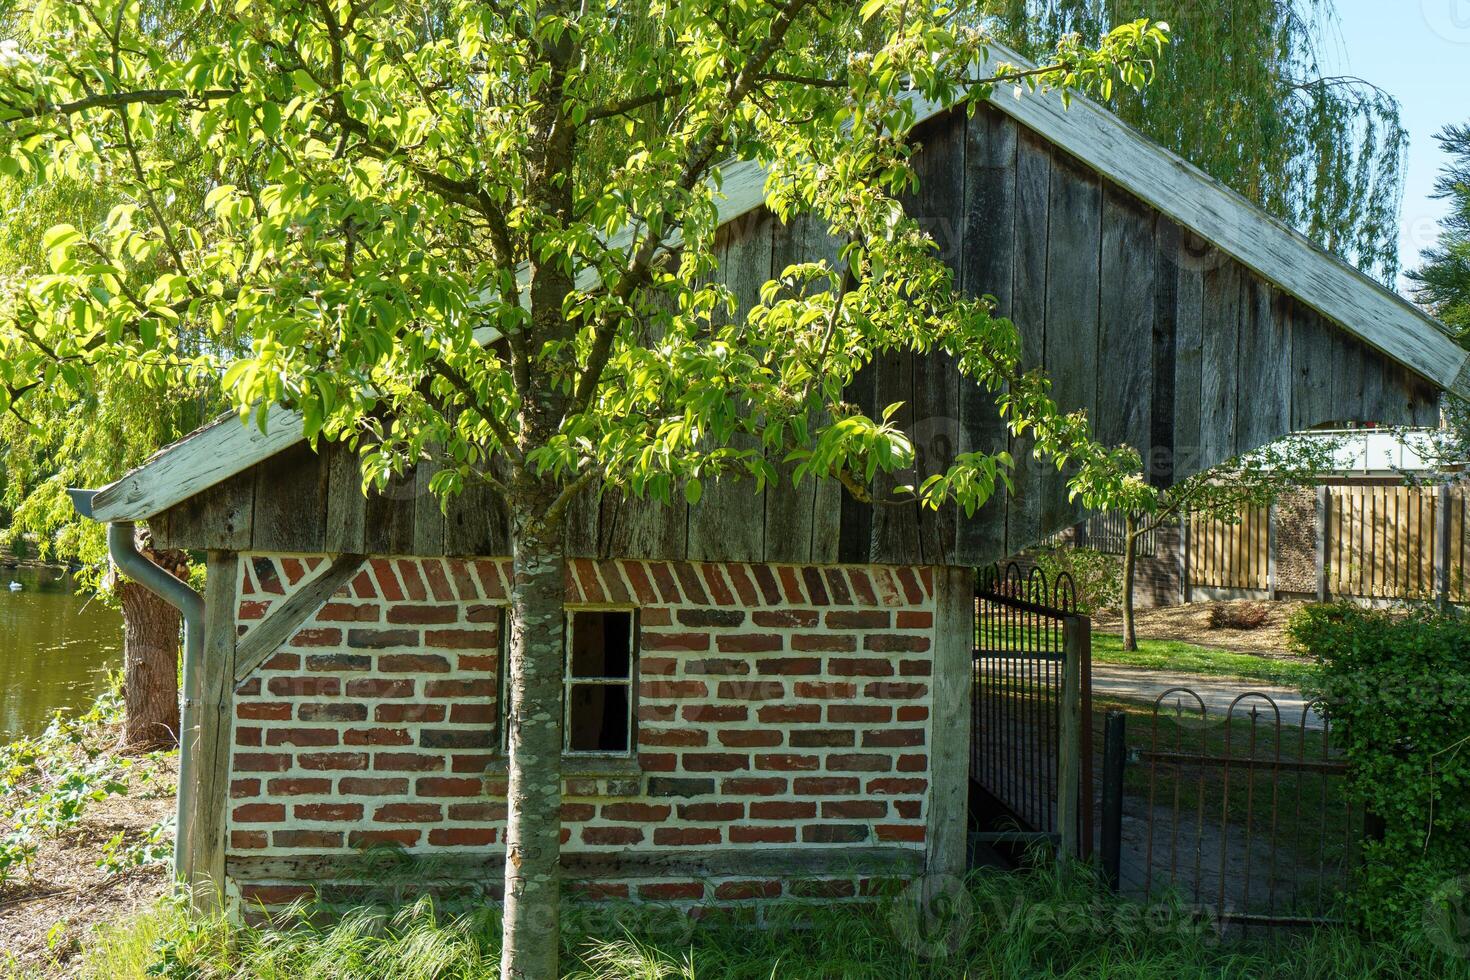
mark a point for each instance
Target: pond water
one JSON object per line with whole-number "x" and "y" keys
{"x": 56, "y": 648}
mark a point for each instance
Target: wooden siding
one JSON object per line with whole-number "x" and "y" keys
{"x": 1168, "y": 343}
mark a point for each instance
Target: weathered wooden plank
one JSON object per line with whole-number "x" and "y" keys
{"x": 855, "y": 530}
{"x": 895, "y": 536}
{"x": 797, "y": 515}
{"x": 220, "y": 517}
{"x": 1028, "y": 299}
{"x": 1312, "y": 384}
{"x": 1219, "y": 353}
{"x": 1193, "y": 257}
{"x": 1263, "y": 369}
{"x": 1159, "y": 464}
{"x": 1073, "y": 270}
{"x": 584, "y": 513}
{"x": 1124, "y": 369}
{"x": 987, "y": 268}
{"x": 478, "y": 523}
{"x": 389, "y": 522}
{"x": 428, "y": 512}
{"x": 346, "y": 503}
{"x": 633, "y": 528}
{"x": 291, "y": 502}
{"x": 266, "y": 637}
{"x": 949, "y": 751}
{"x": 204, "y": 804}
{"x": 729, "y": 521}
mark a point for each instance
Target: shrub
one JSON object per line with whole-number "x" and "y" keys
{"x": 1098, "y": 577}
{"x": 1239, "y": 616}
{"x": 1400, "y": 691}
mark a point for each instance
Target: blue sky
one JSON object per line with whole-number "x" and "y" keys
{"x": 1419, "y": 52}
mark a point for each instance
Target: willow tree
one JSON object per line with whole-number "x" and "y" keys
{"x": 1243, "y": 96}
{"x": 482, "y": 233}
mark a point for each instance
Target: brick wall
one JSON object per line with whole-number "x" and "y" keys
{"x": 779, "y": 707}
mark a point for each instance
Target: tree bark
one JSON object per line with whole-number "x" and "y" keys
{"x": 531, "y": 934}
{"x": 150, "y": 668}
{"x": 1130, "y": 564}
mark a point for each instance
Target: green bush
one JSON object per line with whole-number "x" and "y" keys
{"x": 1098, "y": 577}
{"x": 1398, "y": 692}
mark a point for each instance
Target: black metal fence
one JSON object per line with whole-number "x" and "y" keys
{"x": 1031, "y": 751}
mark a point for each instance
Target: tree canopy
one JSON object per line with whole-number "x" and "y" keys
{"x": 1443, "y": 281}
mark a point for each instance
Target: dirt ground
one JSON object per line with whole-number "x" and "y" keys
{"x": 45, "y": 914}
{"x": 1191, "y": 624}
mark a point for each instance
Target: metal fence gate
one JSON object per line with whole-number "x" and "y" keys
{"x": 1031, "y": 705}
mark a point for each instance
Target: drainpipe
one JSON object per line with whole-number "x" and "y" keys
{"x": 123, "y": 550}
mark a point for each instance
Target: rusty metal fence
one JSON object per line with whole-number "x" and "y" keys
{"x": 1240, "y": 810}
{"x": 1031, "y": 751}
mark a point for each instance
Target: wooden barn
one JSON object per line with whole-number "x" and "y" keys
{"x": 769, "y": 694}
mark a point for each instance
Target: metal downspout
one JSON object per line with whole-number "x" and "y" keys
{"x": 123, "y": 550}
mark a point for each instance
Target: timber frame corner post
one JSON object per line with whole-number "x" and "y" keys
{"x": 208, "y": 730}
{"x": 1076, "y": 640}
{"x": 949, "y": 727}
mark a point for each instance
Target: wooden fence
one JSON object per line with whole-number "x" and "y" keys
{"x": 1371, "y": 542}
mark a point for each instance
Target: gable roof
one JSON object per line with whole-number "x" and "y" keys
{"x": 1160, "y": 178}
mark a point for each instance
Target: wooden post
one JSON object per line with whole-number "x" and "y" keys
{"x": 1185, "y": 542}
{"x": 1069, "y": 740}
{"x": 1271, "y": 537}
{"x": 1442, "y": 544}
{"x": 209, "y": 727}
{"x": 1324, "y": 509}
{"x": 949, "y": 726}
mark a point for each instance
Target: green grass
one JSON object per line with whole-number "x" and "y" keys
{"x": 1189, "y": 658}
{"x": 1006, "y": 925}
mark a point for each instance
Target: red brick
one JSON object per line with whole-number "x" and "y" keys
{"x": 766, "y": 579}
{"x": 261, "y": 762}
{"x": 387, "y": 581}
{"x": 711, "y": 812}
{"x": 315, "y": 636}
{"x": 897, "y": 786}
{"x": 241, "y": 789}
{"x": 413, "y": 663}
{"x": 479, "y": 661}
{"x": 791, "y": 586}
{"x": 913, "y": 763}
{"x": 472, "y": 714}
{"x": 433, "y": 570}
{"x": 895, "y": 643}
{"x": 364, "y": 639}
{"x": 672, "y": 689}
{"x": 762, "y": 738}
{"x": 672, "y": 736}
{"x": 780, "y": 714}
{"x": 274, "y": 894}
{"x": 834, "y": 833}
{"x": 658, "y": 761}
{"x": 737, "y": 890}
{"x": 586, "y": 575}
{"x": 367, "y": 786}
{"x": 825, "y": 689}
{"x": 461, "y": 639}
{"x": 489, "y": 575}
{"x": 247, "y": 736}
{"x": 302, "y": 736}
{"x": 572, "y": 812}
{"x": 408, "y": 813}
{"x": 916, "y": 668}
{"x": 907, "y": 833}
{"x": 854, "y": 809}
{"x": 377, "y": 736}
{"x": 637, "y": 812}
{"x": 786, "y": 618}
{"x": 638, "y": 579}
{"x": 913, "y": 712}
{"x": 671, "y": 891}
{"x": 715, "y": 761}
{"x": 258, "y": 813}
{"x": 686, "y": 836}
{"x": 658, "y": 712}
{"x": 715, "y": 713}
{"x": 890, "y": 738}
{"x": 612, "y": 836}
{"x": 477, "y": 688}
{"x": 815, "y": 738}
{"x": 448, "y": 786}
{"x": 658, "y": 666}
{"x": 782, "y": 810}
{"x": 327, "y": 811}
{"x": 753, "y": 785}
{"x": 858, "y": 762}
{"x": 909, "y": 809}
{"x": 338, "y": 662}
{"x": 407, "y": 762}
{"x": 282, "y": 661}
{"x": 379, "y": 687}
{"x": 743, "y": 586}
{"x": 248, "y": 840}
{"x": 762, "y": 835}
{"x": 786, "y": 762}
{"x": 332, "y": 760}
{"x": 726, "y": 666}
{"x": 789, "y": 665}
{"x": 815, "y": 586}
{"x": 842, "y": 713}
{"x": 860, "y": 667}
{"x": 304, "y": 687}
{"x": 857, "y": 619}
{"x": 824, "y": 642}
{"x": 389, "y": 713}
{"x": 299, "y": 786}
{"x": 650, "y": 640}
{"x": 363, "y": 586}
{"x": 749, "y": 643}
{"x": 689, "y": 580}
{"x": 347, "y": 612}
{"x": 332, "y": 712}
{"x": 655, "y": 616}
{"x": 462, "y": 836}
{"x": 423, "y": 614}
{"x": 464, "y": 582}
{"x": 263, "y": 711}
{"x": 252, "y": 609}
{"x": 751, "y": 690}
{"x": 404, "y": 836}
{"x": 825, "y": 786}
{"x": 912, "y": 620}
{"x": 480, "y": 613}
{"x": 895, "y": 689}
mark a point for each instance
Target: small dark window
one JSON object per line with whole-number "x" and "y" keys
{"x": 599, "y": 680}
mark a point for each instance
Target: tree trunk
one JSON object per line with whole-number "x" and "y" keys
{"x": 531, "y": 935}
{"x": 1130, "y": 565}
{"x": 150, "y": 668}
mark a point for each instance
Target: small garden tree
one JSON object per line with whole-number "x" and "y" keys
{"x": 482, "y": 234}
{"x": 1223, "y": 493}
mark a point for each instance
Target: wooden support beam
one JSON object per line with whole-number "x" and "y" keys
{"x": 1076, "y": 634}
{"x": 1324, "y": 508}
{"x": 204, "y": 800}
{"x": 949, "y": 725}
{"x": 266, "y": 637}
